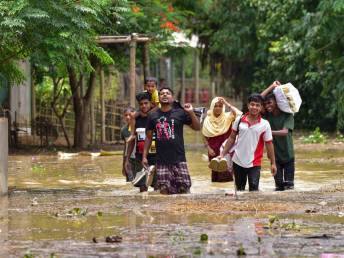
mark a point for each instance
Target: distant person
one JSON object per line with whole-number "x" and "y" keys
{"x": 144, "y": 100}
{"x": 152, "y": 87}
{"x": 253, "y": 132}
{"x": 168, "y": 123}
{"x": 125, "y": 134}
{"x": 216, "y": 130}
{"x": 282, "y": 126}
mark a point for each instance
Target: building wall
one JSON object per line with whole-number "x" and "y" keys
{"x": 20, "y": 99}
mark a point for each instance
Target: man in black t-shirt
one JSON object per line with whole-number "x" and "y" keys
{"x": 167, "y": 123}
{"x": 144, "y": 100}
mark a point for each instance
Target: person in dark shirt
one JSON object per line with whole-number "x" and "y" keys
{"x": 144, "y": 100}
{"x": 282, "y": 126}
{"x": 125, "y": 134}
{"x": 167, "y": 123}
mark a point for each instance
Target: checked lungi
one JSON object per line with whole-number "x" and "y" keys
{"x": 173, "y": 177}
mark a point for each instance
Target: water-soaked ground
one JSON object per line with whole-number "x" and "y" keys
{"x": 66, "y": 207}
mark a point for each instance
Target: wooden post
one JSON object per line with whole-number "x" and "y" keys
{"x": 33, "y": 106}
{"x": 102, "y": 106}
{"x": 146, "y": 61}
{"x": 3, "y": 155}
{"x": 132, "y": 69}
{"x": 183, "y": 81}
{"x": 92, "y": 122}
{"x": 196, "y": 77}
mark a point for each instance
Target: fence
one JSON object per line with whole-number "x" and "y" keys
{"x": 46, "y": 129}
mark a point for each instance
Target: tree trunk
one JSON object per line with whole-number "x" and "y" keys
{"x": 81, "y": 104}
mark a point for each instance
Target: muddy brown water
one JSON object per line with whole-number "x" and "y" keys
{"x": 60, "y": 207}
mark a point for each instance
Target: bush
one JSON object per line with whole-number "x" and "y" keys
{"x": 315, "y": 137}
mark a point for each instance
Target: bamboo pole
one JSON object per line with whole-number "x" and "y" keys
{"x": 102, "y": 106}
{"x": 3, "y": 156}
{"x": 132, "y": 69}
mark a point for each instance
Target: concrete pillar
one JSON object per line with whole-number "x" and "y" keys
{"x": 3, "y": 155}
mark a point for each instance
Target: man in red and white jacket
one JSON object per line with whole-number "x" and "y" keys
{"x": 253, "y": 132}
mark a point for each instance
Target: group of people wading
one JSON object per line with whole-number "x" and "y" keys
{"x": 154, "y": 154}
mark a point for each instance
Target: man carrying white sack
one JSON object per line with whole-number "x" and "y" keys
{"x": 282, "y": 126}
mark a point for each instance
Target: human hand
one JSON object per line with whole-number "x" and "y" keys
{"x": 223, "y": 101}
{"x": 211, "y": 152}
{"x": 273, "y": 169}
{"x": 145, "y": 162}
{"x": 275, "y": 84}
{"x": 130, "y": 138}
{"x": 188, "y": 107}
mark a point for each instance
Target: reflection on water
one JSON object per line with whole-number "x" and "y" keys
{"x": 38, "y": 215}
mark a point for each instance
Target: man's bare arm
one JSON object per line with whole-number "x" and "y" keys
{"x": 283, "y": 132}
{"x": 270, "y": 88}
{"x": 148, "y": 143}
{"x": 195, "y": 124}
{"x": 229, "y": 144}
{"x": 271, "y": 156}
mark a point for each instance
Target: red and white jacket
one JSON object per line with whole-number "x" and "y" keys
{"x": 249, "y": 147}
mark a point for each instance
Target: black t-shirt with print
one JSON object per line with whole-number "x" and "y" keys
{"x": 140, "y": 132}
{"x": 168, "y": 128}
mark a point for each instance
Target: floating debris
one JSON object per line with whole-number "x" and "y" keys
{"x": 113, "y": 239}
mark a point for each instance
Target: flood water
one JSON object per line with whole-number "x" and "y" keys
{"x": 65, "y": 207}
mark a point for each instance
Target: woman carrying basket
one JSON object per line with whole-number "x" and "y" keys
{"x": 216, "y": 130}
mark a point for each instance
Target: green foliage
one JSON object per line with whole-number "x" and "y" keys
{"x": 315, "y": 137}
{"x": 254, "y": 42}
{"x": 340, "y": 138}
{"x": 204, "y": 238}
{"x": 38, "y": 169}
{"x": 241, "y": 251}
{"x": 29, "y": 255}
{"x": 52, "y": 32}
{"x": 77, "y": 212}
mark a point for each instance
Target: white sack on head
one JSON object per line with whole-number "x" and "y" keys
{"x": 288, "y": 98}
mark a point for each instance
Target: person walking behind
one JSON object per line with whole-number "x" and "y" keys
{"x": 168, "y": 123}
{"x": 282, "y": 126}
{"x": 216, "y": 130}
{"x": 252, "y": 131}
{"x": 125, "y": 134}
{"x": 144, "y": 100}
